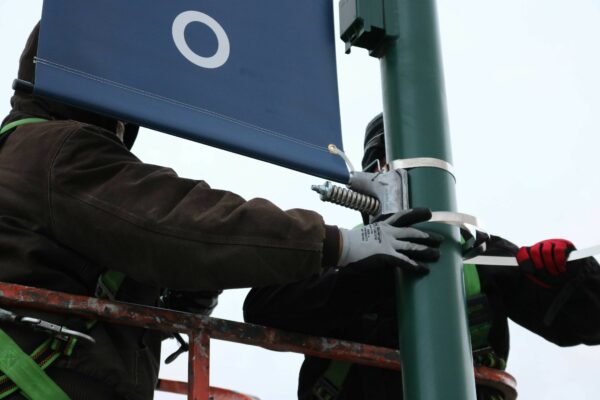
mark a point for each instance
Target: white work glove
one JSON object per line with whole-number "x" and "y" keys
{"x": 392, "y": 239}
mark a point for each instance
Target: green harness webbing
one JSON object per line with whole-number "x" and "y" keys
{"x": 26, "y": 373}
{"x": 16, "y": 124}
{"x": 479, "y": 328}
{"x": 472, "y": 283}
{"x": 480, "y": 321}
{"x": 29, "y": 376}
{"x": 330, "y": 383}
{"x": 109, "y": 283}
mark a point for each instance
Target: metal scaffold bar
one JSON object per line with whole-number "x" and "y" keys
{"x": 201, "y": 329}
{"x": 199, "y": 366}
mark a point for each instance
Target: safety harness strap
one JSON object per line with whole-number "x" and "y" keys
{"x": 477, "y": 308}
{"x": 471, "y": 277}
{"x": 330, "y": 383}
{"x": 26, "y": 373}
{"x": 16, "y": 124}
{"x": 480, "y": 321}
{"x": 49, "y": 351}
{"x": 109, "y": 284}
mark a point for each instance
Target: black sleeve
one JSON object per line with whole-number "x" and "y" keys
{"x": 323, "y": 304}
{"x": 299, "y": 306}
{"x": 566, "y": 316}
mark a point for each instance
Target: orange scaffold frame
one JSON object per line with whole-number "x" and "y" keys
{"x": 201, "y": 329}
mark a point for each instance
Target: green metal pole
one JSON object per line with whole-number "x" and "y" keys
{"x": 434, "y": 340}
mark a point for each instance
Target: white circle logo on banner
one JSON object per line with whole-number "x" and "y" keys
{"x": 221, "y": 55}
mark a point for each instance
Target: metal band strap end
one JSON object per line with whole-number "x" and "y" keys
{"x": 421, "y": 162}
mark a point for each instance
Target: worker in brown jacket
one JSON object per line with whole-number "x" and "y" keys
{"x": 75, "y": 202}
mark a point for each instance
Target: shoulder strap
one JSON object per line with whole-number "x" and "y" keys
{"x": 480, "y": 320}
{"x": 109, "y": 284}
{"x": 330, "y": 384}
{"x": 477, "y": 308}
{"x": 472, "y": 283}
{"x": 20, "y": 122}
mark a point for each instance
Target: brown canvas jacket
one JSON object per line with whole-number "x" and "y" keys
{"x": 74, "y": 201}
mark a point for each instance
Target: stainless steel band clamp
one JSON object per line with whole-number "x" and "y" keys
{"x": 421, "y": 162}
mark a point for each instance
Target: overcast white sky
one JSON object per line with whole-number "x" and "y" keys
{"x": 523, "y": 94}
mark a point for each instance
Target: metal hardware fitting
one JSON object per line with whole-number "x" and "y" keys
{"x": 61, "y": 332}
{"x": 375, "y": 194}
{"x": 461, "y": 220}
{"x": 372, "y": 193}
{"x": 333, "y": 149}
{"x": 347, "y": 198}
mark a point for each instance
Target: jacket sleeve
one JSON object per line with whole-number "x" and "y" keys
{"x": 566, "y": 316}
{"x": 168, "y": 231}
{"x": 337, "y": 302}
{"x": 298, "y": 306}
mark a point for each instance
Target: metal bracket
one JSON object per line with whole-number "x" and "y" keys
{"x": 390, "y": 188}
{"x": 372, "y": 193}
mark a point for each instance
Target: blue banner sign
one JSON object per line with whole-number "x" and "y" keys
{"x": 257, "y": 77}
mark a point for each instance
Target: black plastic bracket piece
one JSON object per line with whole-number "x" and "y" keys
{"x": 368, "y": 24}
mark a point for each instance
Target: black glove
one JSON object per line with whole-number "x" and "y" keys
{"x": 200, "y": 302}
{"x": 545, "y": 263}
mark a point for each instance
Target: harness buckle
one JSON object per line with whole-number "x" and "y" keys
{"x": 325, "y": 390}
{"x": 58, "y": 331}
{"x": 102, "y": 291}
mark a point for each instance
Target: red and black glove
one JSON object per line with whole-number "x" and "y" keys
{"x": 545, "y": 263}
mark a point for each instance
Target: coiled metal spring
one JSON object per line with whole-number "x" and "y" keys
{"x": 347, "y": 198}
